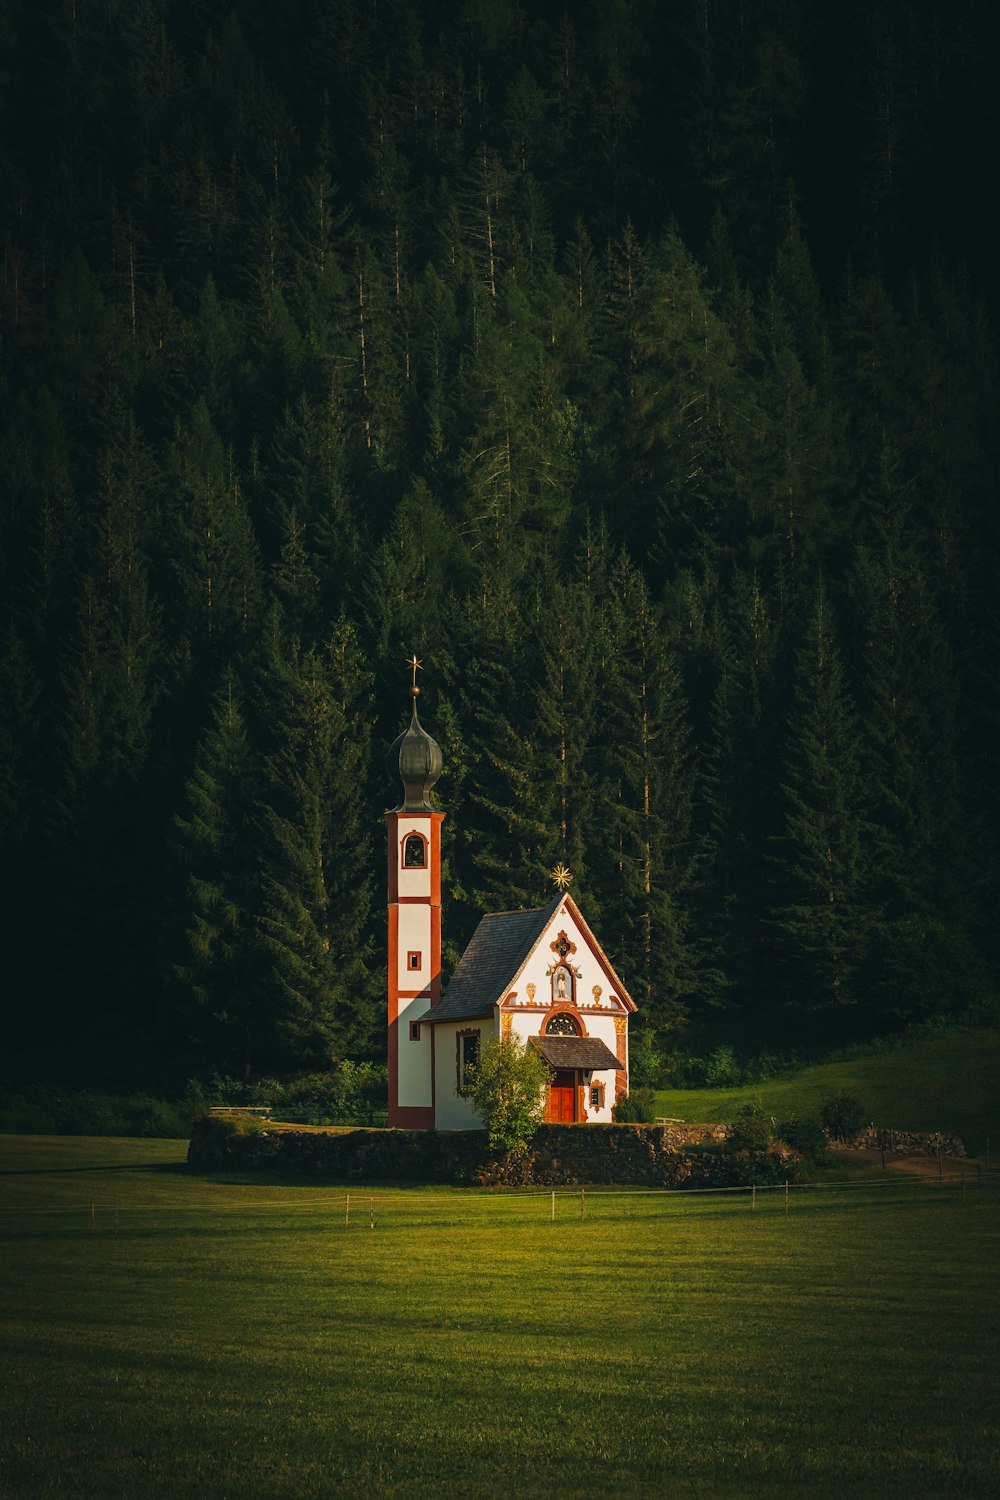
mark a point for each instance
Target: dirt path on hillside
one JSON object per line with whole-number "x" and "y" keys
{"x": 951, "y": 1168}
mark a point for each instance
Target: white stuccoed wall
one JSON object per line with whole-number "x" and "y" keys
{"x": 414, "y": 1080}
{"x": 451, "y": 1112}
{"x": 414, "y": 937}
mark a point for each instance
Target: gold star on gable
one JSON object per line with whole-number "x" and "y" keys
{"x": 560, "y": 876}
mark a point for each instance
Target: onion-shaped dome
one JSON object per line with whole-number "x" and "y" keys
{"x": 415, "y": 757}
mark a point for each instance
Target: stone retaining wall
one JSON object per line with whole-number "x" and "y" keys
{"x": 560, "y": 1155}
{"x": 904, "y": 1142}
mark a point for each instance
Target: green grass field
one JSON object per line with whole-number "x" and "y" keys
{"x": 928, "y": 1080}
{"x": 234, "y": 1339}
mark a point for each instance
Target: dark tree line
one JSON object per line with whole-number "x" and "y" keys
{"x": 619, "y": 361}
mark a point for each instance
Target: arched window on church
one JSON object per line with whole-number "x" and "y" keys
{"x": 414, "y": 852}
{"x": 562, "y": 1025}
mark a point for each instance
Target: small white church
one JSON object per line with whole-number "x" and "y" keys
{"x": 540, "y": 976}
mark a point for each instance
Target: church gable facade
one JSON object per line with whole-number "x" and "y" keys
{"x": 539, "y": 976}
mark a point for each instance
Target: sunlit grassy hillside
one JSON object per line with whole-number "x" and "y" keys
{"x": 945, "y": 1080}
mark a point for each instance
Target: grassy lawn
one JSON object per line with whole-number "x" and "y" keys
{"x": 235, "y": 1339}
{"x": 927, "y": 1081}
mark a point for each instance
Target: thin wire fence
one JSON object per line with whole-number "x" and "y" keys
{"x": 339, "y": 1208}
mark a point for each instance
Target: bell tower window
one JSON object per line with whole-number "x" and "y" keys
{"x": 414, "y": 852}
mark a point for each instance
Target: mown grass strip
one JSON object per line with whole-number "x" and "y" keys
{"x": 243, "y": 1342}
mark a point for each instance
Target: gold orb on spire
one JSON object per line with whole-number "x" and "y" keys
{"x": 560, "y": 876}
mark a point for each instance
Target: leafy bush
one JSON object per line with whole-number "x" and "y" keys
{"x": 349, "y": 1094}
{"x": 352, "y": 1093}
{"x": 637, "y": 1108}
{"x": 843, "y": 1116}
{"x": 507, "y": 1086}
{"x": 771, "y": 1065}
{"x": 42, "y": 1109}
{"x": 685, "y": 1072}
{"x": 722, "y": 1069}
{"x": 750, "y": 1130}
{"x": 28, "y": 1114}
{"x": 807, "y": 1136}
{"x": 648, "y": 1064}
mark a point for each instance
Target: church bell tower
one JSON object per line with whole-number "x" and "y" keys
{"x": 414, "y": 829}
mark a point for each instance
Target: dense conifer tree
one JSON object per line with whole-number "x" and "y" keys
{"x": 738, "y": 813}
{"x": 317, "y": 859}
{"x": 923, "y": 887}
{"x": 823, "y": 881}
{"x": 640, "y": 841}
{"x": 215, "y": 981}
{"x": 504, "y": 837}
{"x": 563, "y": 663}
{"x": 688, "y": 414}
{"x": 213, "y": 551}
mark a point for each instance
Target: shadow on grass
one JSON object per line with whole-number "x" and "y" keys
{"x": 112, "y": 1166}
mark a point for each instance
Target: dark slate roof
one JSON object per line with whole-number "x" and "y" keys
{"x": 576, "y": 1052}
{"x": 491, "y": 962}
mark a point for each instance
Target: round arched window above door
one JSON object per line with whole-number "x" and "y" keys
{"x": 562, "y": 1025}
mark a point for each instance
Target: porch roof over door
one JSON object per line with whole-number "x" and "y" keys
{"x": 587, "y": 1053}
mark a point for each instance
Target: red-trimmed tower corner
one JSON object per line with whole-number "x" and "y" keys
{"x": 414, "y": 889}
{"x": 414, "y": 965}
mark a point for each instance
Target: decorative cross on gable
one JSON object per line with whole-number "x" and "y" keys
{"x": 563, "y": 946}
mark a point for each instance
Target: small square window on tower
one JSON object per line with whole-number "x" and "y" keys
{"x": 414, "y": 1031}
{"x": 413, "y": 960}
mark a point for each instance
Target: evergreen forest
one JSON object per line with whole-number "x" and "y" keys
{"x": 630, "y": 362}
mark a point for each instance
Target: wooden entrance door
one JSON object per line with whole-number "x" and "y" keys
{"x": 562, "y": 1099}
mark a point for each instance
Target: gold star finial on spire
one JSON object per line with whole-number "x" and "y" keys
{"x": 418, "y": 666}
{"x": 560, "y": 876}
